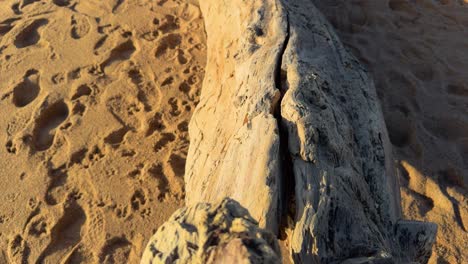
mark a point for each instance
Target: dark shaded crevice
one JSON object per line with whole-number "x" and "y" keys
{"x": 287, "y": 181}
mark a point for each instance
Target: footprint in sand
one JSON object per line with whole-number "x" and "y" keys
{"x": 165, "y": 139}
{"x": 116, "y": 250}
{"x": 18, "y": 250}
{"x": 30, "y": 35}
{"x": 80, "y": 27}
{"x": 81, "y": 91}
{"x": 138, "y": 200}
{"x": 115, "y": 138}
{"x": 37, "y": 226}
{"x": 177, "y": 164}
{"x": 169, "y": 42}
{"x": 157, "y": 172}
{"x": 65, "y": 233}
{"x": 46, "y": 124}
{"x": 57, "y": 191}
{"x": 122, "y": 52}
{"x": 155, "y": 123}
{"x": 28, "y": 90}
{"x": 169, "y": 23}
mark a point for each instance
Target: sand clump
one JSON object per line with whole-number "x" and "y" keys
{"x": 95, "y": 99}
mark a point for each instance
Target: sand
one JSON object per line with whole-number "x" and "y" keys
{"x": 95, "y": 99}
{"x": 417, "y": 53}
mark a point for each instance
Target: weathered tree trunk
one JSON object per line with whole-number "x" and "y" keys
{"x": 234, "y": 148}
{"x": 284, "y": 108}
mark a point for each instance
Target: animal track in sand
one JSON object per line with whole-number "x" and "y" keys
{"x": 116, "y": 250}
{"x": 82, "y": 90}
{"x": 184, "y": 87}
{"x": 165, "y": 139}
{"x": 181, "y": 57}
{"x": 169, "y": 24}
{"x": 145, "y": 89}
{"x": 78, "y": 108}
{"x": 58, "y": 78}
{"x": 135, "y": 76}
{"x": 66, "y": 232}
{"x": 183, "y": 126}
{"x": 75, "y": 74}
{"x": 169, "y": 42}
{"x": 173, "y": 102}
{"x": 79, "y": 27}
{"x": 189, "y": 12}
{"x": 77, "y": 157}
{"x": 37, "y": 226}
{"x": 116, "y": 137}
{"x": 156, "y": 123}
{"x": 138, "y": 200}
{"x": 136, "y": 172}
{"x": 168, "y": 81}
{"x": 157, "y": 172}
{"x": 177, "y": 164}
{"x": 46, "y": 124}
{"x": 95, "y": 155}
{"x": 11, "y": 148}
{"x": 56, "y": 192}
{"x": 28, "y": 90}
{"x": 121, "y": 211}
{"x": 30, "y": 35}
{"x": 18, "y": 250}
{"x": 122, "y": 52}
{"x": 423, "y": 203}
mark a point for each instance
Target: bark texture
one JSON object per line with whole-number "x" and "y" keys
{"x": 212, "y": 233}
{"x": 234, "y": 148}
{"x": 289, "y": 122}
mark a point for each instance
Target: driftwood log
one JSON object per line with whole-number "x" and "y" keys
{"x": 290, "y": 126}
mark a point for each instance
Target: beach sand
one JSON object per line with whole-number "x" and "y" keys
{"x": 96, "y": 96}
{"x": 95, "y": 99}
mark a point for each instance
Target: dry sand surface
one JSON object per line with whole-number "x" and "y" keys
{"x": 417, "y": 53}
{"x": 95, "y": 98}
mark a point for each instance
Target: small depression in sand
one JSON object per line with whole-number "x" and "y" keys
{"x": 95, "y": 100}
